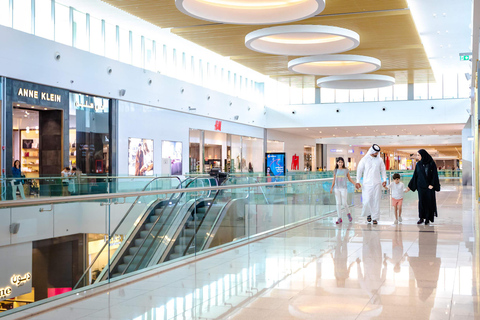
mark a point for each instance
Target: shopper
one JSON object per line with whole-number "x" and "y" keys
{"x": 340, "y": 176}
{"x": 425, "y": 181}
{"x": 17, "y": 184}
{"x": 65, "y": 181}
{"x": 397, "y": 189}
{"x": 372, "y": 169}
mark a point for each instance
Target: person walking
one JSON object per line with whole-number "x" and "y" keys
{"x": 17, "y": 184}
{"x": 425, "y": 181}
{"x": 372, "y": 169}
{"x": 340, "y": 176}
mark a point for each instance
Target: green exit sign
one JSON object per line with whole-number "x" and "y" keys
{"x": 464, "y": 58}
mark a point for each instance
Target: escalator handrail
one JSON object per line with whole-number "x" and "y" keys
{"x": 153, "y": 226}
{"x": 119, "y": 224}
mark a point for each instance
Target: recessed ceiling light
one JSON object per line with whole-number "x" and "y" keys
{"x": 299, "y": 40}
{"x": 319, "y": 131}
{"x": 251, "y": 11}
{"x": 334, "y": 135}
{"x": 307, "y": 129}
{"x": 44, "y": 108}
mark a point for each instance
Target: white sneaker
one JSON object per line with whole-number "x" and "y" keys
{"x": 400, "y": 219}
{"x": 395, "y": 222}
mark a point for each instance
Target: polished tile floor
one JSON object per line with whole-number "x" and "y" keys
{"x": 316, "y": 271}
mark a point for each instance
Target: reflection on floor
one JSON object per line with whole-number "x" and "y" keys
{"x": 318, "y": 271}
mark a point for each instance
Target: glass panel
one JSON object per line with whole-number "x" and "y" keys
{"x": 236, "y": 153}
{"x": 149, "y": 58}
{"x": 356, "y": 95}
{"x": 385, "y": 94}
{"x": 252, "y": 152}
{"x": 137, "y": 50}
{"x": 22, "y": 15}
{"x": 435, "y": 88}
{"x": 43, "y": 19}
{"x": 342, "y": 95}
{"x": 125, "y": 46}
{"x": 80, "y": 30}
{"x": 370, "y": 95}
{"x": 111, "y": 41}
{"x": 450, "y": 86}
{"x": 420, "y": 91}
{"x": 5, "y": 16}
{"x": 400, "y": 92}
{"x": 327, "y": 95}
{"x": 97, "y": 44}
{"x": 63, "y": 29}
{"x": 296, "y": 95}
{"x": 463, "y": 86}
{"x": 309, "y": 95}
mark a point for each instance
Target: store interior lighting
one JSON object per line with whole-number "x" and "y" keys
{"x": 299, "y": 40}
{"x": 251, "y": 11}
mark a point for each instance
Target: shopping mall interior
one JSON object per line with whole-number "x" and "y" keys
{"x": 179, "y": 159}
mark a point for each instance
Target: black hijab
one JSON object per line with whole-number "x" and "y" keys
{"x": 426, "y": 158}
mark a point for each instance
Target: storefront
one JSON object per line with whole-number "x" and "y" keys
{"x": 48, "y": 129}
{"x": 226, "y": 152}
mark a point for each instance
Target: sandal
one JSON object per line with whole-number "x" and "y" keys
{"x": 369, "y": 218}
{"x": 339, "y": 221}
{"x": 349, "y": 217}
{"x": 375, "y": 222}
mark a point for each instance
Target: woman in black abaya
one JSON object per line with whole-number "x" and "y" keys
{"x": 425, "y": 181}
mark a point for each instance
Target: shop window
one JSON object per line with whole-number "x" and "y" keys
{"x": 97, "y": 44}
{"x": 22, "y": 15}
{"x": 89, "y": 124}
{"x": 43, "y": 19}
{"x": 63, "y": 29}
{"x": 137, "y": 50}
{"x": 5, "y": 14}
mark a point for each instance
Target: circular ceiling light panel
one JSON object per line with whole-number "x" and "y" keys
{"x": 359, "y": 81}
{"x": 302, "y": 40}
{"x": 251, "y": 11}
{"x": 330, "y": 65}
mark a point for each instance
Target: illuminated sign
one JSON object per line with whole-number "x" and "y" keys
{"x": 5, "y": 292}
{"x": 29, "y": 93}
{"x": 19, "y": 280}
{"x": 351, "y": 151}
{"x": 336, "y": 150}
{"x": 97, "y": 108}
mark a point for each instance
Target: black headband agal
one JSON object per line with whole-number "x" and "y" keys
{"x": 376, "y": 148}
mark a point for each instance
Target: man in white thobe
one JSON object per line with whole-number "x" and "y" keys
{"x": 372, "y": 169}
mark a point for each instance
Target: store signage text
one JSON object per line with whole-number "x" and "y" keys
{"x": 97, "y": 108}
{"x": 19, "y": 280}
{"x": 336, "y": 150}
{"x": 5, "y": 292}
{"x": 28, "y": 93}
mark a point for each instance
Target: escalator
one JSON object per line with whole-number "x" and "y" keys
{"x": 181, "y": 225}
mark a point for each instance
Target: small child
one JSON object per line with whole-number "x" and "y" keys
{"x": 340, "y": 177}
{"x": 397, "y": 189}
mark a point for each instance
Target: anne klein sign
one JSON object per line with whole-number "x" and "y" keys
{"x": 35, "y": 94}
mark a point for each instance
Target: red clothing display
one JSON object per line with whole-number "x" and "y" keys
{"x": 295, "y": 162}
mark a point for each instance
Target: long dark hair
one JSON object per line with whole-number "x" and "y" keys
{"x": 336, "y": 162}
{"x": 15, "y": 162}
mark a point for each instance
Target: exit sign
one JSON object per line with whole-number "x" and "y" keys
{"x": 464, "y": 58}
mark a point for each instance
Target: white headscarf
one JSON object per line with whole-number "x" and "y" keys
{"x": 372, "y": 150}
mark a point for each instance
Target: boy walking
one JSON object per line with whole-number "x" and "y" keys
{"x": 397, "y": 190}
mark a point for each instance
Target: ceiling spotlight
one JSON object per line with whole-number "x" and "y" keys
{"x": 338, "y": 64}
{"x": 251, "y": 11}
{"x": 299, "y": 40}
{"x": 28, "y": 129}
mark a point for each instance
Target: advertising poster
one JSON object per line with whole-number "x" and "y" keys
{"x": 140, "y": 157}
{"x": 172, "y": 152}
{"x": 275, "y": 164}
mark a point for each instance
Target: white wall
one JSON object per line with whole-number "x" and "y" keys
{"x": 370, "y": 114}
{"x": 293, "y": 145}
{"x": 137, "y": 121}
{"x": 30, "y": 58}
